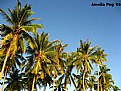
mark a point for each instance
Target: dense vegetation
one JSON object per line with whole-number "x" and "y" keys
{"x": 29, "y": 59}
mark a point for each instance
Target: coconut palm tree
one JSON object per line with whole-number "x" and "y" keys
{"x": 105, "y": 79}
{"x": 100, "y": 57}
{"x": 85, "y": 55}
{"x": 44, "y": 60}
{"x": 18, "y": 31}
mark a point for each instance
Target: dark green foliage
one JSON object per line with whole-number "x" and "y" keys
{"x": 32, "y": 61}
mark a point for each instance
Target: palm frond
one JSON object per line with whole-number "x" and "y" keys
{"x": 30, "y": 40}
{"x": 6, "y": 17}
{"x": 28, "y": 22}
{"x": 22, "y": 45}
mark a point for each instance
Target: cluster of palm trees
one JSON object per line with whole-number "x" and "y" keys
{"x": 29, "y": 60}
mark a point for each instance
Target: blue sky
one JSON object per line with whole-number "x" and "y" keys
{"x": 73, "y": 20}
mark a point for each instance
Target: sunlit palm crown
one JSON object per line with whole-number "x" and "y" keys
{"x": 20, "y": 25}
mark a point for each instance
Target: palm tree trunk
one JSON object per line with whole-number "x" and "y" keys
{"x": 53, "y": 82}
{"x": 3, "y": 67}
{"x": 66, "y": 88}
{"x": 101, "y": 88}
{"x": 98, "y": 77}
{"x": 4, "y": 81}
{"x": 33, "y": 83}
{"x": 84, "y": 80}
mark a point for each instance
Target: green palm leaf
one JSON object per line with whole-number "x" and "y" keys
{"x": 6, "y": 17}
{"x": 22, "y": 45}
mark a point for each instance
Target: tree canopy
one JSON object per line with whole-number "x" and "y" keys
{"x": 30, "y": 62}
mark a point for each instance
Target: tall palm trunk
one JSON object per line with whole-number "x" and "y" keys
{"x": 4, "y": 81}
{"x": 98, "y": 78}
{"x": 33, "y": 83}
{"x": 101, "y": 89}
{"x": 66, "y": 89}
{"x": 53, "y": 82}
{"x": 7, "y": 55}
{"x": 84, "y": 79}
{"x": 15, "y": 37}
